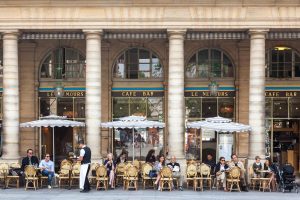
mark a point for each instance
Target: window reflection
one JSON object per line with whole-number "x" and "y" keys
{"x": 209, "y": 63}
{"x": 137, "y": 63}
{"x": 280, "y": 108}
{"x": 65, "y": 107}
{"x": 295, "y": 107}
{"x": 209, "y": 107}
{"x": 226, "y": 107}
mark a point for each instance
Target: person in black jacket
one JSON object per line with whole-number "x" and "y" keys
{"x": 220, "y": 170}
{"x": 30, "y": 159}
{"x": 211, "y": 162}
{"x": 150, "y": 158}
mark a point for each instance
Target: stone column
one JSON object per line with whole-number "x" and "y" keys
{"x": 11, "y": 137}
{"x": 176, "y": 104}
{"x": 257, "y": 93}
{"x": 93, "y": 92}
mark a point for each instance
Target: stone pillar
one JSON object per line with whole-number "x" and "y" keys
{"x": 11, "y": 109}
{"x": 176, "y": 104}
{"x": 93, "y": 92}
{"x": 257, "y": 93}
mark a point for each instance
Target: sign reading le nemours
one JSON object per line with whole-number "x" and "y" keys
{"x": 66, "y": 94}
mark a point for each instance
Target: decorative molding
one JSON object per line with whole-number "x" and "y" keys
{"x": 217, "y": 35}
{"x": 135, "y": 36}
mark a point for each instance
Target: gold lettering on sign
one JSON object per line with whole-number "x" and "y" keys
{"x": 194, "y": 94}
{"x": 148, "y": 94}
{"x": 128, "y": 94}
{"x": 272, "y": 94}
{"x": 206, "y": 94}
{"x": 290, "y": 94}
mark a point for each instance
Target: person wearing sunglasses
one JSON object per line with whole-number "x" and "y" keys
{"x": 30, "y": 159}
{"x": 220, "y": 170}
{"x": 47, "y": 169}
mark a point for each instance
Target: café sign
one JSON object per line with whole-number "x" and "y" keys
{"x": 137, "y": 93}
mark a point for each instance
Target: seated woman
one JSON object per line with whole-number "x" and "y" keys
{"x": 110, "y": 165}
{"x": 158, "y": 166}
{"x": 220, "y": 169}
{"x": 257, "y": 166}
{"x": 122, "y": 158}
{"x": 268, "y": 165}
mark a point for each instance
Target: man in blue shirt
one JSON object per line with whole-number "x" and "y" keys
{"x": 47, "y": 168}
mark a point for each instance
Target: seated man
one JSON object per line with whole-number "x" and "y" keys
{"x": 30, "y": 159}
{"x": 210, "y": 162}
{"x": 175, "y": 167}
{"x": 47, "y": 168}
{"x": 236, "y": 163}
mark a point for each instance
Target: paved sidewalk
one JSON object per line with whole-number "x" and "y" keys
{"x": 54, "y": 194}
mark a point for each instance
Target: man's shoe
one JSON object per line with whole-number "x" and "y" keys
{"x": 49, "y": 187}
{"x": 180, "y": 188}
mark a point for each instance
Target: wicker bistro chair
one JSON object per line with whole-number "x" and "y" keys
{"x": 166, "y": 178}
{"x": 75, "y": 174}
{"x": 254, "y": 181}
{"x": 265, "y": 184}
{"x": 101, "y": 178}
{"x": 127, "y": 165}
{"x": 4, "y": 170}
{"x": 65, "y": 161}
{"x": 31, "y": 177}
{"x": 204, "y": 176}
{"x": 131, "y": 178}
{"x": 64, "y": 174}
{"x": 120, "y": 172}
{"x": 234, "y": 178}
{"x": 191, "y": 174}
{"x": 12, "y": 180}
{"x": 146, "y": 168}
{"x": 93, "y": 176}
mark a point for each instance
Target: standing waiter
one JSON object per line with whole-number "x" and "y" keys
{"x": 85, "y": 158}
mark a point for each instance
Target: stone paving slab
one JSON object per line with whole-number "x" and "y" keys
{"x": 118, "y": 194}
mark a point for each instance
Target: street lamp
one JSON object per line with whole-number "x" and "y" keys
{"x": 213, "y": 88}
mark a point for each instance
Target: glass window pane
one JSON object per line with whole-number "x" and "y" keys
{"x": 47, "y": 67}
{"x": 144, "y": 74}
{"x": 203, "y": 63}
{"x": 297, "y": 69}
{"x": 79, "y": 108}
{"x": 215, "y": 63}
{"x": 138, "y": 106}
{"x": 191, "y": 69}
{"x": 226, "y": 107}
{"x": 209, "y": 107}
{"x": 144, "y": 67}
{"x": 280, "y": 108}
{"x": 227, "y": 67}
{"x": 157, "y": 70}
{"x": 193, "y": 107}
{"x": 155, "y": 108}
{"x": 294, "y": 107}
{"x": 45, "y": 107}
{"x": 65, "y": 107}
{"x": 120, "y": 107}
{"x": 268, "y": 110}
{"x": 144, "y": 56}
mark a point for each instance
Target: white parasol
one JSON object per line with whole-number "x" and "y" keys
{"x": 219, "y": 124}
{"x": 133, "y": 122}
{"x": 53, "y": 121}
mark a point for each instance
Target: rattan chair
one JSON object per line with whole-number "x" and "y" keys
{"x": 75, "y": 174}
{"x": 254, "y": 181}
{"x": 92, "y": 177}
{"x": 12, "y": 180}
{"x": 64, "y": 174}
{"x": 146, "y": 168}
{"x": 265, "y": 184}
{"x": 31, "y": 177}
{"x": 4, "y": 170}
{"x": 166, "y": 178}
{"x": 127, "y": 165}
{"x": 234, "y": 179}
{"x": 191, "y": 174}
{"x": 131, "y": 178}
{"x": 204, "y": 176}
{"x": 101, "y": 178}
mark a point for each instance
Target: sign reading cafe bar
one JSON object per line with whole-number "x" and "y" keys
{"x": 282, "y": 93}
{"x": 137, "y": 93}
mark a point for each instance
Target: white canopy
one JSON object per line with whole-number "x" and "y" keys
{"x": 53, "y": 121}
{"x": 133, "y": 122}
{"x": 219, "y": 124}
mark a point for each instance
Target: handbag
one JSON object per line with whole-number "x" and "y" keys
{"x": 152, "y": 173}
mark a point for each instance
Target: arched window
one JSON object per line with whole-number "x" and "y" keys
{"x": 209, "y": 63}
{"x": 282, "y": 62}
{"x": 138, "y": 63}
{"x": 63, "y": 63}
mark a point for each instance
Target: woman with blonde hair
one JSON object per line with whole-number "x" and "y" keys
{"x": 110, "y": 165}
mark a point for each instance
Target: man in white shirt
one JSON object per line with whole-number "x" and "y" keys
{"x": 85, "y": 159}
{"x": 175, "y": 167}
{"x": 47, "y": 169}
